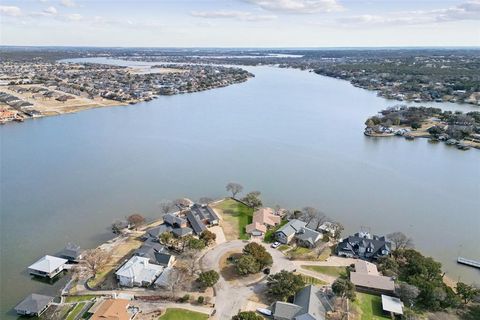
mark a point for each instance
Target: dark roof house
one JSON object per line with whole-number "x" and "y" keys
{"x": 71, "y": 252}
{"x": 33, "y": 305}
{"x": 364, "y": 246}
{"x": 200, "y": 216}
{"x": 156, "y": 253}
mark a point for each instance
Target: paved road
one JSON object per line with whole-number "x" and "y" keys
{"x": 233, "y": 296}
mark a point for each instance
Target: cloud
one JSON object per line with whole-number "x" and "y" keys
{"x": 10, "y": 11}
{"x": 73, "y": 17}
{"x": 50, "y": 11}
{"x": 239, "y": 15}
{"x": 68, "y": 3}
{"x": 469, "y": 10}
{"x": 298, "y": 6}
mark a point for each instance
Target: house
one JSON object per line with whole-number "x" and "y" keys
{"x": 113, "y": 309}
{"x": 138, "y": 271}
{"x": 47, "y": 267}
{"x": 261, "y": 221}
{"x": 164, "y": 280}
{"x": 392, "y": 305}
{"x": 174, "y": 220}
{"x": 310, "y": 302}
{"x": 71, "y": 252}
{"x": 33, "y": 305}
{"x": 154, "y": 233}
{"x": 156, "y": 253}
{"x": 201, "y": 216}
{"x": 296, "y": 229}
{"x": 286, "y": 233}
{"x": 366, "y": 278}
{"x": 364, "y": 246}
{"x": 328, "y": 228}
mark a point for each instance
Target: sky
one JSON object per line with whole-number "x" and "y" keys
{"x": 240, "y": 23}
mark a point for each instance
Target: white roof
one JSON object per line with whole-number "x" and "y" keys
{"x": 139, "y": 269}
{"x": 48, "y": 264}
{"x": 392, "y": 304}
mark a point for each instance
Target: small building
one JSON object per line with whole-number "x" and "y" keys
{"x": 261, "y": 221}
{"x": 71, "y": 252}
{"x": 113, "y": 309}
{"x": 366, "y": 278}
{"x": 392, "y": 305}
{"x": 47, "y": 267}
{"x": 33, "y": 305}
{"x": 138, "y": 272}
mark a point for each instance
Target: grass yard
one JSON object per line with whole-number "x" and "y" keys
{"x": 327, "y": 270}
{"x": 75, "y": 311}
{"x": 369, "y": 306}
{"x": 182, "y": 314}
{"x": 283, "y": 247}
{"x": 236, "y": 216}
{"x": 312, "y": 280}
{"x": 79, "y": 298}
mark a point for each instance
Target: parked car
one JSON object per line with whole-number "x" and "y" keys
{"x": 276, "y": 244}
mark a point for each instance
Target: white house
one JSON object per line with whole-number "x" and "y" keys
{"x": 138, "y": 271}
{"x": 47, "y": 267}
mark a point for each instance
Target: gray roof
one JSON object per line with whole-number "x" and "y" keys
{"x": 71, "y": 251}
{"x": 309, "y": 235}
{"x": 284, "y": 310}
{"x": 173, "y": 219}
{"x": 309, "y": 298}
{"x": 180, "y": 232}
{"x": 155, "y": 252}
{"x": 196, "y": 223}
{"x": 292, "y": 227}
{"x": 204, "y": 212}
{"x": 34, "y": 303}
{"x": 353, "y": 243}
{"x": 157, "y": 231}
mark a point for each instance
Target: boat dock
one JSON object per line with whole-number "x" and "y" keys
{"x": 469, "y": 262}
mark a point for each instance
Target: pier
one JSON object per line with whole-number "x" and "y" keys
{"x": 469, "y": 262}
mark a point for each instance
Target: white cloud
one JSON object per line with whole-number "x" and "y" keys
{"x": 240, "y": 15}
{"x": 50, "y": 11}
{"x": 10, "y": 11}
{"x": 298, "y": 6}
{"x": 73, "y": 17}
{"x": 68, "y": 3}
{"x": 469, "y": 10}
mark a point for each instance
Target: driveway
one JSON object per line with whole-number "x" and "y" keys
{"x": 233, "y": 296}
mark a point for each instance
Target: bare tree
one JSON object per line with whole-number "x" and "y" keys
{"x": 400, "y": 240}
{"x": 136, "y": 219}
{"x": 234, "y": 188}
{"x": 94, "y": 259}
{"x": 177, "y": 277}
{"x": 190, "y": 258}
{"x": 309, "y": 213}
{"x": 181, "y": 203}
{"x": 205, "y": 200}
{"x": 166, "y": 206}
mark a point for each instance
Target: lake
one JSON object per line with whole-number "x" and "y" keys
{"x": 293, "y": 135}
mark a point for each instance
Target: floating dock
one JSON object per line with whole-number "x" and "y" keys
{"x": 469, "y": 262}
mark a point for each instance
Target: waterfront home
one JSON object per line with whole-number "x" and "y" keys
{"x": 365, "y": 246}
{"x": 392, "y": 305}
{"x": 310, "y": 302}
{"x": 366, "y": 278}
{"x": 71, "y": 252}
{"x": 261, "y": 221}
{"x": 165, "y": 279}
{"x": 47, "y": 267}
{"x": 200, "y": 216}
{"x": 328, "y": 228}
{"x": 33, "y": 305}
{"x": 156, "y": 253}
{"x": 113, "y": 309}
{"x": 139, "y": 272}
{"x": 296, "y": 229}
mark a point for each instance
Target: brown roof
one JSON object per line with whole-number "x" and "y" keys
{"x": 266, "y": 216}
{"x": 255, "y": 226}
{"x": 112, "y": 309}
{"x": 372, "y": 281}
{"x": 365, "y": 267}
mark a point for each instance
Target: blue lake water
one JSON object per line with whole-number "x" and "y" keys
{"x": 295, "y": 136}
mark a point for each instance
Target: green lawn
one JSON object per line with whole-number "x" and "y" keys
{"x": 370, "y": 307}
{"x": 237, "y": 214}
{"x": 283, "y": 247}
{"x": 270, "y": 234}
{"x": 312, "y": 280}
{"x": 182, "y": 314}
{"x": 329, "y": 271}
{"x": 75, "y": 311}
{"x": 79, "y": 298}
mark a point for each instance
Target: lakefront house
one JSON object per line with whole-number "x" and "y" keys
{"x": 363, "y": 245}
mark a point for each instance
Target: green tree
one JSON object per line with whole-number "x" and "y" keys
{"x": 195, "y": 244}
{"x": 247, "y": 264}
{"x": 260, "y": 254}
{"x": 208, "y": 237}
{"x": 467, "y": 292}
{"x": 344, "y": 288}
{"x": 252, "y": 199}
{"x": 208, "y": 278}
{"x": 247, "y": 315}
{"x": 284, "y": 284}
{"x": 166, "y": 238}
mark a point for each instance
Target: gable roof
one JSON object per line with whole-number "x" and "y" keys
{"x": 292, "y": 227}
{"x": 308, "y": 235}
{"x": 180, "y": 232}
{"x": 204, "y": 212}
{"x": 112, "y": 309}
{"x": 365, "y": 267}
{"x": 255, "y": 226}
{"x": 375, "y": 244}
{"x": 284, "y": 310}
{"x": 266, "y": 216}
{"x": 139, "y": 269}
{"x": 196, "y": 223}
{"x": 157, "y": 231}
{"x": 71, "y": 250}
{"x": 372, "y": 281}
{"x": 309, "y": 298}
{"x": 172, "y": 219}
{"x": 34, "y": 303}
{"x": 48, "y": 264}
